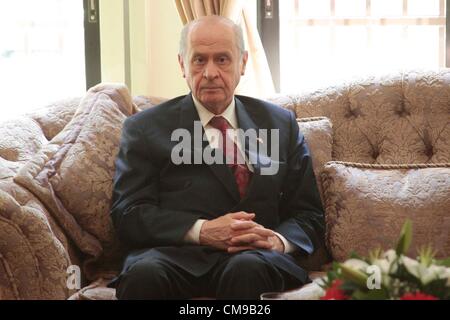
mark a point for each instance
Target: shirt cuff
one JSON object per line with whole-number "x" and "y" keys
{"x": 193, "y": 235}
{"x": 288, "y": 247}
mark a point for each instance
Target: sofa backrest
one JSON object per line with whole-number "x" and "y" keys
{"x": 393, "y": 119}
{"x": 22, "y": 137}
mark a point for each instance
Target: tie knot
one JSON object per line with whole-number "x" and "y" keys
{"x": 219, "y": 123}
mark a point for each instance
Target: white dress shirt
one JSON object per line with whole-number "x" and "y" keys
{"x": 193, "y": 235}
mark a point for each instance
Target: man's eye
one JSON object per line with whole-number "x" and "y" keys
{"x": 223, "y": 60}
{"x": 198, "y": 60}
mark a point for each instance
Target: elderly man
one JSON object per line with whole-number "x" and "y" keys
{"x": 223, "y": 229}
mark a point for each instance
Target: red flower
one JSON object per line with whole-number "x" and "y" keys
{"x": 334, "y": 292}
{"x": 417, "y": 296}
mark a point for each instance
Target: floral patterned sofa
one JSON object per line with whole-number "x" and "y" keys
{"x": 381, "y": 151}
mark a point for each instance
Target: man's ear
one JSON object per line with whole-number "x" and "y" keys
{"x": 181, "y": 62}
{"x": 244, "y": 62}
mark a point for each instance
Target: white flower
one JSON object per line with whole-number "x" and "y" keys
{"x": 413, "y": 266}
{"x": 432, "y": 273}
{"x": 423, "y": 273}
{"x": 383, "y": 264}
{"x": 390, "y": 255}
{"x": 356, "y": 264}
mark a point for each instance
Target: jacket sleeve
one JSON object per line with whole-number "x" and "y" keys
{"x": 301, "y": 207}
{"x": 136, "y": 215}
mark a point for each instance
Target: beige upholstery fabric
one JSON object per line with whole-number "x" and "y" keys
{"x": 366, "y": 207}
{"x": 21, "y": 139}
{"x": 397, "y": 118}
{"x": 87, "y": 145}
{"x": 144, "y": 102}
{"x": 318, "y": 134}
{"x": 7, "y": 168}
{"x": 25, "y": 199}
{"x": 32, "y": 260}
{"x": 53, "y": 118}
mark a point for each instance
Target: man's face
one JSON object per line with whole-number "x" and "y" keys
{"x": 212, "y": 64}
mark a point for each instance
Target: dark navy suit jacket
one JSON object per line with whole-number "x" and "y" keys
{"x": 156, "y": 202}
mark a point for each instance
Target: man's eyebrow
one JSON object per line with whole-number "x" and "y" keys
{"x": 221, "y": 53}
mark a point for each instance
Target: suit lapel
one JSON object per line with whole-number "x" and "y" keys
{"x": 188, "y": 116}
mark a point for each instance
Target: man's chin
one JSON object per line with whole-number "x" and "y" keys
{"x": 218, "y": 104}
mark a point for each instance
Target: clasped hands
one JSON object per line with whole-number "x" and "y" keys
{"x": 236, "y": 232}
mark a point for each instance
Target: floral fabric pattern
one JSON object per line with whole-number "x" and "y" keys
{"x": 366, "y": 207}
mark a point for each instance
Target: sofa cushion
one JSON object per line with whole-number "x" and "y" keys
{"x": 20, "y": 139}
{"x": 54, "y": 117}
{"x": 318, "y": 134}
{"x": 7, "y": 169}
{"x": 27, "y": 200}
{"x": 366, "y": 206}
{"x": 72, "y": 175}
{"x": 147, "y": 102}
{"x": 33, "y": 262}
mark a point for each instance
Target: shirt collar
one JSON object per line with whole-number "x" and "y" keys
{"x": 205, "y": 115}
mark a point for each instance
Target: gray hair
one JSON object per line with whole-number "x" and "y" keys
{"x": 238, "y": 34}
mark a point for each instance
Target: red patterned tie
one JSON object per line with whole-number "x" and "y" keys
{"x": 234, "y": 157}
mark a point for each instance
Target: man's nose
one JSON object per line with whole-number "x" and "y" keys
{"x": 211, "y": 71}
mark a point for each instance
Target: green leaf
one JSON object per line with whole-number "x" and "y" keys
{"x": 375, "y": 254}
{"x": 405, "y": 238}
{"x": 328, "y": 280}
{"x": 426, "y": 255}
{"x": 445, "y": 262}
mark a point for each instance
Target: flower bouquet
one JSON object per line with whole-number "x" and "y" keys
{"x": 389, "y": 275}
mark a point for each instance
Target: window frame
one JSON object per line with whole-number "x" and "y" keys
{"x": 92, "y": 42}
{"x": 269, "y": 30}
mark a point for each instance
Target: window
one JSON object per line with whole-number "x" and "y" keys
{"x": 42, "y": 53}
{"x": 322, "y": 42}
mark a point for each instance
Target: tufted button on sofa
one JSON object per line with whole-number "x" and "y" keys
{"x": 398, "y": 118}
{"x": 373, "y": 141}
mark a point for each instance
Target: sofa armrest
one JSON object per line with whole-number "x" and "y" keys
{"x": 33, "y": 262}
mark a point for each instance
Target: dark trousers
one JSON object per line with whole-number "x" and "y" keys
{"x": 240, "y": 276}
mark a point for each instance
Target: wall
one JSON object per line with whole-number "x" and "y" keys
{"x": 112, "y": 40}
{"x": 148, "y": 35}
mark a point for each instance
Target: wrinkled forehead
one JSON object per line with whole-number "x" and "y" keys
{"x": 212, "y": 34}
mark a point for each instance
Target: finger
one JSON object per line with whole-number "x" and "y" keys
{"x": 242, "y": 225}
{"x": 256, "y": 230}
{"x": 242, "y": 215}
{"x": 239, "y": 249}
{"x": 263, "y": 244}
{"x": 247, "y": 239}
